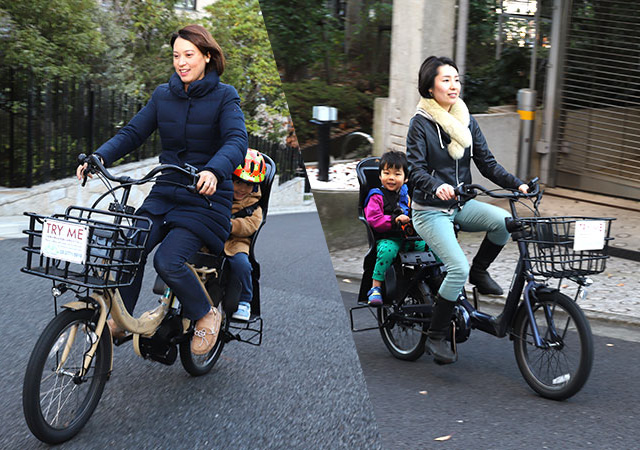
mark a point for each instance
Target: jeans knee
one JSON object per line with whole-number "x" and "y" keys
{"x": 459, "y": 271}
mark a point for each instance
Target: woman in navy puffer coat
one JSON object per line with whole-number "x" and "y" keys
{"x": 201, "y": 124}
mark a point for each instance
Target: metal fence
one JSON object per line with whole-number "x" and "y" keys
{"x": 43, "y": 127}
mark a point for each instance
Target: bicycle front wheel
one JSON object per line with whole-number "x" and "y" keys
{"x": 559, "y": 368}
{"x": 405, "y": 338}
{"x": 56, "y": 400}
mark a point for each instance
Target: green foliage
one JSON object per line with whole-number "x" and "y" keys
{"x": 301, "y": 33}
{"x": 140, "y": 31}
{"x": 51, "y": 38}
{"x": 481, "y": 32}
{"x": 354, "y": 107}
{"x": 239, "y": 28}
{"x": 497, "y": 82}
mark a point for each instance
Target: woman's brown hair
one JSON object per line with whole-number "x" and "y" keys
{"x": 201, "y": 38}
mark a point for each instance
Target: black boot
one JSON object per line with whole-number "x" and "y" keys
{"x": 478, "y": 274}
{"x": 437, "y": 344}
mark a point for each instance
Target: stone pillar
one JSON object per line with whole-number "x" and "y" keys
{"x": 419, "y": 29}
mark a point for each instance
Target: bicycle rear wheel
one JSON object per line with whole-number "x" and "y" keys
{"x": 57, "y": 402}
{"x": 197, "y": 365}
{"x": 404, "y": 338}
{"x": 560, "y": 368}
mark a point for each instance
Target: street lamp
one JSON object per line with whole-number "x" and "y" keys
{"x": 324, "y": 117}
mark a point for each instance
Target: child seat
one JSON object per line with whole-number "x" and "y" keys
{"x": 368, "y": 178}
{"x": 368, "y": 174}
{"x": 218, "y": 262}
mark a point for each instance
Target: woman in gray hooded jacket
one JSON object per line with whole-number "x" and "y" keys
{"x": 442, "y": 141}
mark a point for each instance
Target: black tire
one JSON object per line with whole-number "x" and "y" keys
{"x": 404, "y": 339}
{"x": 197, "y": 365}
{"x": 56, "y": 405}
{"x": 560, "y": 370}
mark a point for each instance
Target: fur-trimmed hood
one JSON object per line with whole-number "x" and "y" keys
{"x": 454, "y": 122}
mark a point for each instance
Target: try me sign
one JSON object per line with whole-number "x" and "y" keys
{"x": 64, "y": 240}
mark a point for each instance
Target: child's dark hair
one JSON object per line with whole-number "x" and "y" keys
{"x": 393, "y": 159}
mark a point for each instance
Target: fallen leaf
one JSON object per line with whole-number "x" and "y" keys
{"x": 620, "y": 284}
{"x": 564, "y": 286}
{"x": 423, "y": 392}
{"x": 346, "y": 280}
{"x": 443, "y": 438}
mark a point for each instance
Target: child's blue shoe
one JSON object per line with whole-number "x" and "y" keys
{"x": 243, "y": 312}
{"x": 374, "y": 296}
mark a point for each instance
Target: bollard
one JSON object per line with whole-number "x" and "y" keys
{"x": 324, "y": 117}
{"x": 527, "y": 111}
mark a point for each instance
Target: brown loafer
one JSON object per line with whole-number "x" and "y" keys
{"x": 205, "y": 334}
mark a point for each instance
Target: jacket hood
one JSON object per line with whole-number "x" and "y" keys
{"x": 198, "y": 88}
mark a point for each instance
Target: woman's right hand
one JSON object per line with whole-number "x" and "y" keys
{"x": 80, "y": 171}
{"x": 445, "y": 192}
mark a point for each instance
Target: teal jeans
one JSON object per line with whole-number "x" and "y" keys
{"x": 387, "y": 250}
{"x": 436, "y": 228}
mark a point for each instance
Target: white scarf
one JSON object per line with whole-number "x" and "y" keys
{"x": 454, "y": 122}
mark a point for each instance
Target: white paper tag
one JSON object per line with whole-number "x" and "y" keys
{"x": 589, "y": 235}
{"x": 64, "y": 240}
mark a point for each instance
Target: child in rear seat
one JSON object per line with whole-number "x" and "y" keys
{"x": 246, "y": 217}
{"x": 387, "y": 209}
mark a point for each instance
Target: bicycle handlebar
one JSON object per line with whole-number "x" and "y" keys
{"x": 95, "y": 164}
{"x": 469, "y": 191}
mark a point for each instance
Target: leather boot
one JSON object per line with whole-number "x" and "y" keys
{"x": 478, "y": 274}
{"x": 436, "y": 343}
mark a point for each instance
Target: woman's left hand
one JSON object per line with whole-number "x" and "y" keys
{"x": 207, "y": 183}
{"x": 523, "y": 188}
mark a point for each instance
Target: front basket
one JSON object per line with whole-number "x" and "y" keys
{"x": 114, "y": 246}
{"x": 551, "y": 248}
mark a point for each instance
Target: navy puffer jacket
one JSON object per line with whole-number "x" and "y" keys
{"x": 203, "y": 127}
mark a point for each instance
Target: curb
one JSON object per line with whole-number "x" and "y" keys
{"x": 611, "y": 318}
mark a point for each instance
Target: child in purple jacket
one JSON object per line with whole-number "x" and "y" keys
{"x": 387, "y": 210}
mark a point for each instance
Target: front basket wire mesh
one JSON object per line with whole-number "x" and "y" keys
{"x": 550, "y": 247}
{"x": 114, "y": 248}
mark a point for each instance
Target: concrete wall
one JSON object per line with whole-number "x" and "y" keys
{"x": 502, "y": 132}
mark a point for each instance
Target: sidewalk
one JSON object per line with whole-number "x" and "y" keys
{"x": 614, "y": 295}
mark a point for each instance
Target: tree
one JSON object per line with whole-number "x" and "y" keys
{"x": 297, "y": 29}
{"x": 51, "y": 39}
{"x": 139, "y": 32}
{"x": 239, "y": 28}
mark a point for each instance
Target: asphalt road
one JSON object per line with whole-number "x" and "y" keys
{"x": 303, "y": 388}
{"x": 482, "y": 401}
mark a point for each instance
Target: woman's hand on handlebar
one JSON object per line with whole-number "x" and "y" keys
{"x": 402, "y": 219}
{"x": 82, "y": 172}
{"x": 524, "y": 188}
{"x": 445, "y": 192}
{"x": 207, "y": 183}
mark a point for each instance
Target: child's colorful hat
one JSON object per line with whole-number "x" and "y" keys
{"x": 254, "y": 169}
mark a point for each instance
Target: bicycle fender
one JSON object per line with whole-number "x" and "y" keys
{"x": 77, "y": 305}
